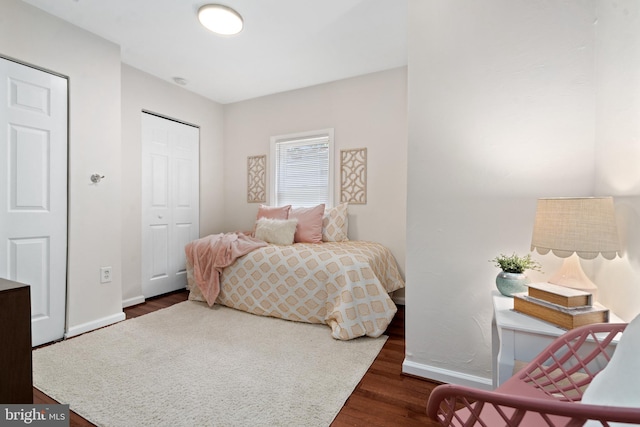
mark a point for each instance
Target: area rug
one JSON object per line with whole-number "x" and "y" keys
{"x": 191, "y": 365}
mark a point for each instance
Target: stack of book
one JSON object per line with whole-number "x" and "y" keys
{"x": 564, "y": 307}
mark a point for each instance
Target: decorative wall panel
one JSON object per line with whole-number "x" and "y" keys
{"x": 257, "y": 179}
{"x": 353, "y": 176}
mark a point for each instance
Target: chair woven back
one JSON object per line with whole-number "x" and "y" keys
{"x": 568, "y": 365}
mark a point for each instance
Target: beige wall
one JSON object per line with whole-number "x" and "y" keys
{"x": 511, "y": 100}
{"x": 367, "y": 111}
{"x": 141, "y": 91}
{"x": 618, "y": 149}
{"x": 105, "y": 102}
{"x": 92, "y": 65}
{"x": 501, "y": 112}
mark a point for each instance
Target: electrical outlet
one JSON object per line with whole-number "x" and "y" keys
{"x": 105, "y": 274}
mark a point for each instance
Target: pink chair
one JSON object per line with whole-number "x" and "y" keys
{"x": 546, "y": 392}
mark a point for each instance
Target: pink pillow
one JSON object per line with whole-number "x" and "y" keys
{"x": 309, "y": 228}
{"x": 273, "y": 212}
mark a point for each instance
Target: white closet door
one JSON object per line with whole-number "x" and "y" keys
{"x": 33, "y": 191}
{"x": 170, "y": 201}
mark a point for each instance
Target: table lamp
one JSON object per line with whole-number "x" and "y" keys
{"x": 575, "y": 227}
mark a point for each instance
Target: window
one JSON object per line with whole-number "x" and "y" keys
{"x": 302, "y": 169}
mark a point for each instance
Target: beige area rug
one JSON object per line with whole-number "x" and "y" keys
{"x": 191, "y": 365}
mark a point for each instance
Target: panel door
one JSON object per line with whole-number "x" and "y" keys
{"x": 170, "y": 201}
{"x": 33, "y": 191}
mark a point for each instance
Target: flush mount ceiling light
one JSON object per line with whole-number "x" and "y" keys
{"x": 220, "y": 19}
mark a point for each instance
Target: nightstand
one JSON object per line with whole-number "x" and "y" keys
{"x": 518, "y": 337}
{"x": 15, "y": 336}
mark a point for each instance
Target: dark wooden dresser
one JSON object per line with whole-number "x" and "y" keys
{"x": 16, "y": 381}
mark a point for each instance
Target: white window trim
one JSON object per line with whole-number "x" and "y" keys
{"x": 322, "y": 133}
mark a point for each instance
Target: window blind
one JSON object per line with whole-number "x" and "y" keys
{"x": 302, "y": 171}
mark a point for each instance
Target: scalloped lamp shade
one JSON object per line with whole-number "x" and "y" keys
{"x": 575, "y": 227}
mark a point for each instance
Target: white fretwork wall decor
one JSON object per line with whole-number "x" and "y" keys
{"x": 257, "y": 179}
{"x": 353, "y": 176}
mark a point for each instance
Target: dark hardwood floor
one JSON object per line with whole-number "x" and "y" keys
{"x": 383, "y": 398}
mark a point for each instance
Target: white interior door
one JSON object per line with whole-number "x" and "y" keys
{"x": 170, "y": 201}
{"x": 33, "y": 191}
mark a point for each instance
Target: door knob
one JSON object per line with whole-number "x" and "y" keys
{"x": 96, "y": 178}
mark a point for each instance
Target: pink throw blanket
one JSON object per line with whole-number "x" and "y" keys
{"x": 209, "y": 255}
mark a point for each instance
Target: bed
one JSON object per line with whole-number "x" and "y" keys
{"x": 345, "y": 285}
{"x": 298, "y": 264}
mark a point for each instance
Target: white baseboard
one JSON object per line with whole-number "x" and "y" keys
{"x": 133, "y": 301}
{"x": 445, "y": 375}
{"x": 96, "y": 324}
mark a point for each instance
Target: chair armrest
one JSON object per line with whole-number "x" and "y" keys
{"x": 443, "y": 399}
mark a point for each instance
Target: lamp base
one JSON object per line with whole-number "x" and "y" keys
{"x": 571, "y": 275}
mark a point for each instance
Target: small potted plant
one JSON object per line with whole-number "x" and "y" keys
{"x": 512, "y": 278}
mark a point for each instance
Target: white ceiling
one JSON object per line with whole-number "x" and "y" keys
{"x": 285, "y": 44}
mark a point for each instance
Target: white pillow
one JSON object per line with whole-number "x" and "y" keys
{"x": 276, "y": 231}
{"x": 618, "y": 383}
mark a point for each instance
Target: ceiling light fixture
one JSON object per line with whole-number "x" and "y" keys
{"x": 220, "y": 19}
